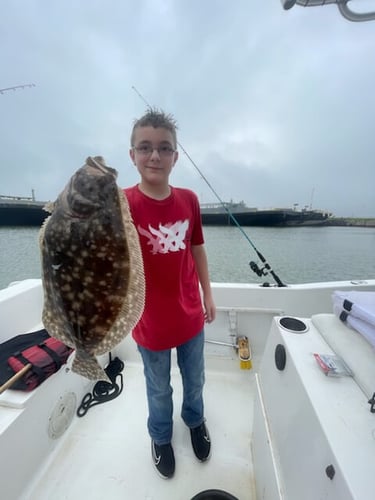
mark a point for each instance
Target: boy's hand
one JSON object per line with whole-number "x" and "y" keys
{"x": 210, "y": 310}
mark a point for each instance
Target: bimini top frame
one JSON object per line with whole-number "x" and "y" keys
{"x": 341, "y": 4}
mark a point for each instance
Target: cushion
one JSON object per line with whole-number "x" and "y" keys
{"x": 352, "y": 347}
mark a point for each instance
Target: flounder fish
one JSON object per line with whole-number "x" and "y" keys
{"x": 92, "y": 268}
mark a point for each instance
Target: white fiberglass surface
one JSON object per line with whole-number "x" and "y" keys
{"x": 106, "y": 454}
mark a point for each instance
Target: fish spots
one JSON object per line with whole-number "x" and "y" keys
{"x": 92, "y": 267}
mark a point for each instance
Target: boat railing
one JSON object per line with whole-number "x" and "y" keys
{"x": 16, "y": 198}
{"x": 345, "y": 11}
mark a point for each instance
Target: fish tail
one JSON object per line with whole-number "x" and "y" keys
{"x": 88, "y": 366}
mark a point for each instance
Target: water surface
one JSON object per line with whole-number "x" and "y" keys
{"x": 303, "y": 254}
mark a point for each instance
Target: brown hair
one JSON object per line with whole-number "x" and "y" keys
{"x": 158, "y": 119}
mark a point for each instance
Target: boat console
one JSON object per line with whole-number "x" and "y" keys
{"x": 318, "y": 429}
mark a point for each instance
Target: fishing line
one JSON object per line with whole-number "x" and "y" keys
{"x": 254, "y": 267}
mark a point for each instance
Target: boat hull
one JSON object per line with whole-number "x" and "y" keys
{"x": 33, "y": 214}
{"x": 21, "y": 214}
{"x": 264, "y": 218}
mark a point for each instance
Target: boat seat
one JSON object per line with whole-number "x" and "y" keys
{"x": 352, "y": 347}
{"x": 21, "y": 307}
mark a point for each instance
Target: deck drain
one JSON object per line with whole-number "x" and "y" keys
{"x": 62, "y": 415}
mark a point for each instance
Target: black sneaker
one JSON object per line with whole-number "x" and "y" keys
{"x": 200, "y": 439}
{"x": 163, "y": 458}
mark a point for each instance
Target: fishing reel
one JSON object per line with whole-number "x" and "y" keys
{"x": 264, "y": 271}
{"x": 259, "y": 271}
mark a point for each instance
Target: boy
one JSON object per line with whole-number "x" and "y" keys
{"x": 170, "y": 230}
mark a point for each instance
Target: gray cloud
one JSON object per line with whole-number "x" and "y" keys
{"x": 274, "y": 107}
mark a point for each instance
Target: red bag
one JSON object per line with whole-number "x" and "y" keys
{"x": 45, "y": 353}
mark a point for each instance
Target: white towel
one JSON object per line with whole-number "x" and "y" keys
{"x": 360, "y": 305}
{"x": 362, "y": 327}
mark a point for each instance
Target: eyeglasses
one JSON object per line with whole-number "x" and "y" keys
{"x": 147, "y": 150}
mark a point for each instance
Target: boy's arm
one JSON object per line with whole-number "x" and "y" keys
{"x": 200, "y": 259}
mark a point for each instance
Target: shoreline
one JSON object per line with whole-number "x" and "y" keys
{"x": 351, "y": 221}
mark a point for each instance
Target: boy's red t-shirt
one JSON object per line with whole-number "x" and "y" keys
{"x": 167, "y": 229}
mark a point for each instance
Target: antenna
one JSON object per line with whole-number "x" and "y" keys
{"x": 312, "y": 197}
{"x": 16, "y": 87}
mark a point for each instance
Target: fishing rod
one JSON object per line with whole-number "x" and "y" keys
{"x": 253, "y": 265}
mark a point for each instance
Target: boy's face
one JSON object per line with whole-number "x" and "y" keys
{"x": 154, "y": 154}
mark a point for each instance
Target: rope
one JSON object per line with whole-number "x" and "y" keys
{"x": 104, "y": 391}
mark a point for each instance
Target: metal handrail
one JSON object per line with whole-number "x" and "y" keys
{"x": 349, "y": 14}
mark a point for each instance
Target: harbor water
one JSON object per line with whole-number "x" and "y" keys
{"x": 297, "y": 255}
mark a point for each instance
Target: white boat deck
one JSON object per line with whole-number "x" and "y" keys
{"x": 107, "y": 452}
{"x": 297, "y": 422}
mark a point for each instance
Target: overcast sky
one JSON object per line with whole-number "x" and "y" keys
{"x": 275, "y": 107}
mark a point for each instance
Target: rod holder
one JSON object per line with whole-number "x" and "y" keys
{"x": 244, "y": 353}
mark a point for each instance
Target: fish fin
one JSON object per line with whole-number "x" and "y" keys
{"x": 49, "y": 206}
{"x": 134, "y": 300}
{"x": 88, "y": 366}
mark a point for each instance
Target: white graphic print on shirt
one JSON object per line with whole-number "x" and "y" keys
{"x": 168, "y": 238}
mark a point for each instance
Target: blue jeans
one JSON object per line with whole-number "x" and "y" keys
{"x": 157, "y": 370}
